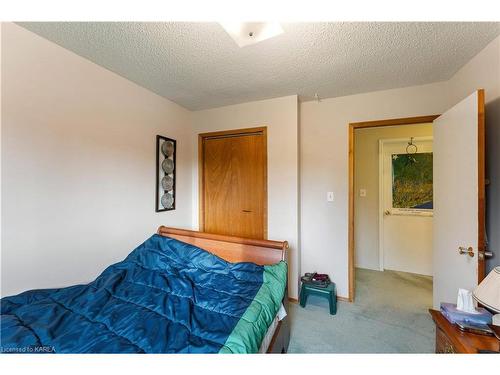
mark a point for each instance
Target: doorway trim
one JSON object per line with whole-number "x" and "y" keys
{"x": 201, "y": 178}
{"x": 351, "y": 146}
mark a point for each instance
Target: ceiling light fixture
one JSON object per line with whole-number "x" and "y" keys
{"x": 247, "y": 33}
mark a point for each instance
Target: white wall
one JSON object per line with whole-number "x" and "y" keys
{"x": 1, "y": 127}
{"x": 78, "y": 158}
{"x": 366, "y": 176}
{"x": 68, "y": 125}
{"x": 280, "y": 117}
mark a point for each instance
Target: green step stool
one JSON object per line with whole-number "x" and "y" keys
{"x": 329, "y": 292}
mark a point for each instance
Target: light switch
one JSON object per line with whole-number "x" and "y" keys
{"x": 362, "y": 192}
{"x": 329, "y": 196}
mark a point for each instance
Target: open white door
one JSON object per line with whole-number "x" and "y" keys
{"x": 405, "y": 237}
{"x": 459, "y": 188}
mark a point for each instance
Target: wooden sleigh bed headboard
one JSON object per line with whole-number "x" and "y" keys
{"x": 232, "y": 249}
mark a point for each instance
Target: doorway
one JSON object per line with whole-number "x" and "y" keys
{"x": 233, "y": 182}
{"x": 353, "y": 146}
{"x": 459, "y": 232}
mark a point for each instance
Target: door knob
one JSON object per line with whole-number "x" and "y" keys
{"x": 247, "y": 210}
{"x": 484, "y": 254}
{"x": 463, "y": 250}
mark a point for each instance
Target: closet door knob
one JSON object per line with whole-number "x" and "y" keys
{"x": 247, "y": 211}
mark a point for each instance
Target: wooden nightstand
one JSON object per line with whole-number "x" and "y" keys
{"x": 449, "y": 339}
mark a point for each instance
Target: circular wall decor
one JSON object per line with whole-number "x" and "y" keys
{"x": 167, "y": 183}
{"x": 167, "y": 200}
{"x": 169, "y": 148}
{"x": 168, "y": 166}
{"x": 166, "y": 150}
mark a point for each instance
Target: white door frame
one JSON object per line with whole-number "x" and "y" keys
{"x": 381, "y": 205}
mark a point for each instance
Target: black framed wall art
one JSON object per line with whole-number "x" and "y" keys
{"x": 165, "y": 173}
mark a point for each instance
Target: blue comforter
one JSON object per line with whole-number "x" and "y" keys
{"x": 165, "y": 297}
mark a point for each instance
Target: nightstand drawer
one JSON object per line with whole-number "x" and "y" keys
{"x": 443, "y": 343}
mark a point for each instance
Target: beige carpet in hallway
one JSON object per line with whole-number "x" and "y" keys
{"x": 389, "y": 315}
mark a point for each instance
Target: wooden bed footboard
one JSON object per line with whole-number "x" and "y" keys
{"x": 237, "y": 249}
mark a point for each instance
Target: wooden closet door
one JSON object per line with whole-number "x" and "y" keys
{"x": 234, "y": 184}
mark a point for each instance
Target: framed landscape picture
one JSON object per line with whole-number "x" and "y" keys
{"x": 165, "y": 173}
{"x": 412, "y": 181}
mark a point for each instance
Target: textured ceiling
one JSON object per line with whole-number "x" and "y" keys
{"x": 198, "y": 65}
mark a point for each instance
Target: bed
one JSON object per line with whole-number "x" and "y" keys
{"x": 180, "y": 291}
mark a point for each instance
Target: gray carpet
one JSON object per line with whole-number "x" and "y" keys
{"x": 389, "y": 315}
